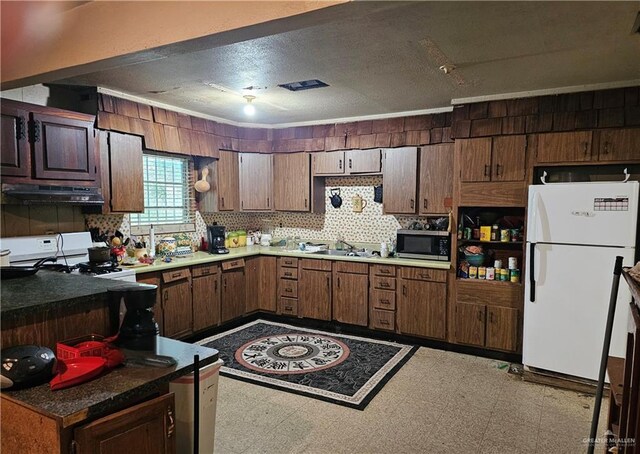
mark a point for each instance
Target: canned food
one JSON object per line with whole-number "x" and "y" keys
{"x": 515, "y": 234}
{"x": 467, "y": 233}
{"x": 497, "y": 264}
{"x": 473, "y": 272}
{"x": 491, "y": 274}
{"x": 504, "y": 274}
{"x": 482, "y": 272}
{"x": 505, "y": 235}
{"x": 485, "y": 233}
{"x": 513, "y": 263}
{"x": 515, "y": 276}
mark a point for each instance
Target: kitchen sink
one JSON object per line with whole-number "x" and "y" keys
{"x": 342, "y": 252}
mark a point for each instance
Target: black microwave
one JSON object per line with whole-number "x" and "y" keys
{"x": 424, "y": 244}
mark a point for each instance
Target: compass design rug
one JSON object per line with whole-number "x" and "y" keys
{"x": 346, "y": 370}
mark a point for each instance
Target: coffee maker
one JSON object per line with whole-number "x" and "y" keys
{"x": 216, "y": 236}
{"x": 138, "y": 330}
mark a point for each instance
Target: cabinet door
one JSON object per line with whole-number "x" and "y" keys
{"x": 206, "y": 301}
{"x": 502, "y": 328}
{"x": 126, "y": 173}
{"x": 291, "y": 181}
{"x": 233, "y": 294}
{"x": 256, "y": 182}
{"x": 564, "y": 147}
{"x": 267, "y": 296}
{"x": 436, "y": 178}
{"x": 228, "y": 181}
{"x": 422, "y": 308}
{"x": 399, "y": 176}
{"x": 314, "y": 294}
{"x": 252, "y": 270}
{"x": 157, "y": 308}
{"x": 63, "y": 148}
{"x": 617, "y": 145}
{"x": 351, "y": 298}
{"x": 364, "y": 161}
{"x": 475, "y": 159}
{"x": 469, "y": 328}
{"x": 328, "y": 163}
{"x": 177, "y": 309}
{"x": 509, "y": 158}
{"x": 147, "y": 428}
{"x": 14, "y": 142}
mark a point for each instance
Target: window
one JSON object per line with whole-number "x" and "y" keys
{"x": 168, "y": 201}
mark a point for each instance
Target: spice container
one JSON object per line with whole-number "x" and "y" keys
{"x": 505, "y": 236}
{"x": 490, "y": 274}
{"x": 494, "y": 232}
{"x": 497, "y": 265}
{"x": 473, "y": 272}
{"x": 513, "y": 263}
{"x": 482, "y": 272}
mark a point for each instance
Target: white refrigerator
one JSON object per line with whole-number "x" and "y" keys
{"x": 575, "y": 231}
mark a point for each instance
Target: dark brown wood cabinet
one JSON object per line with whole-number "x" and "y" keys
{"x": 63, "y": 148}
{"x": 493, "y": 159}
{"x": 363, "y": 161}
{"x": 205, "y": 288}
{"x": 147, "y": 428}
{"x": 572, "y": 146}
{"x": 252, "y": 278}
{"x": 351, "y": 295}
{"x": 122, "y": 172}
{"x": 233, "y": 294}
{"x": 228, "y": 181}
{"x": 177, "y": 309}
{"x": 256, "y": 182}
{"x": 436, "y": 179}
{"x": 502, "y": 328}
{"x": 619, "y": 145}
{"x": 14, "y": 146}
{"x": 421, "y": 307}
{"x": 328, "y": 163}
{"x": 400, "y": 172}
{"x": 267, "y": 297}
{"x": 470, "y": 324}
{"x": 475, "y": 156}
{"x": 314, "y": 289}
{"x": 291, "y": 181}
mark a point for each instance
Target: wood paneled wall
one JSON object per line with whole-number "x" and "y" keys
{"x": 22, "y": 220}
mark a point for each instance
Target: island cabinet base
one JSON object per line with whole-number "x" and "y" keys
{"x": 146, "y": 428}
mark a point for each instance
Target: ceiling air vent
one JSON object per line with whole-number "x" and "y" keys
{"x": 304, "y": 85}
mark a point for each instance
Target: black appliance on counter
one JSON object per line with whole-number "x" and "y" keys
{"x": 26, "y": 365}
{"x": 216, "y": 236}
{"x": 139, "y": 330}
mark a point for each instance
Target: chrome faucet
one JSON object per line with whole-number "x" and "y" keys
{"x": 350, "y": 247}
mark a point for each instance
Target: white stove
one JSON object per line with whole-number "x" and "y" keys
{"x": 71, "y": 252}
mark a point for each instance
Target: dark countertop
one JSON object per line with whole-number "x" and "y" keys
{"x": 51, "y": 290}
{"x": 114, "y": 389}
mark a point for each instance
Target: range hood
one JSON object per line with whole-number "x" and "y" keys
{"x": 35, "y": 194}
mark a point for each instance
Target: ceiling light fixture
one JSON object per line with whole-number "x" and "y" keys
{"x": 249, "y": 109}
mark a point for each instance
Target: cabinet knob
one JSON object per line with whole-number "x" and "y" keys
{"x": 171, "y": 427}
{"x": 21, "y": 126}
{"x": 480, "y": 315}
{"x": 36, "y": 131}
{"x": 404, "y": 290}
{"x": 498, "y": 166}
{"x": 223, "y": 202}
{"x": 606, "y": 148}
{"x": 585, "y": 147}
{"x": 412, "y": 203}
{"x": 340, "y": 164}
{"x": 424, "y": 203}
{"x": 350, "y": 164}
{"x": 486, "y": 170}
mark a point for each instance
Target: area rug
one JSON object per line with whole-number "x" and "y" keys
{"x": 337, "y": 368}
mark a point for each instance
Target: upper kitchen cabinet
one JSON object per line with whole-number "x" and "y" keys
{"x": 328, "y": 163}
{"x": 256, "y": 182}
{"x": 43, "y": 143}
{"x": 228, "y": 181}
{"x": 363, "y": 161}
{"x": 493, "y": 159}
{"x": 617, "y": 145}
{"x": 292, "y": 181}
{"x": 122, "y": 172}
{"x": 564, "y": 147}
{"x": 400, "y": 180}
{"x": 436, "y": 179}
{"x": 14, "y": 147}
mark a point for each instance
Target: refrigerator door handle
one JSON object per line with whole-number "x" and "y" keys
{"x": 532, "y": 269}
{"x": 533, "y": 221}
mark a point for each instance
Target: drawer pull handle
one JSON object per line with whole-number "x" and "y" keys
{"x": 176, "y": 275}
{"x": 384, "y": 302}
{"x": 288, "y": 308}
{"x": 424, "y": 276}
{"x": 233, "y": 263}
{"x": 287, "y": 274}
{"x": 384, "y": 322}
{"x": 385, "y": 271}
{"x": 384, "y": 284}
{"x": 288, "y": 290}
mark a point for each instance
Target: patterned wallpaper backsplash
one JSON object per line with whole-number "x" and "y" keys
{"x": 370, "y": 226}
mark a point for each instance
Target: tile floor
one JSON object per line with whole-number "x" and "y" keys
{"x": 439, "y": 402}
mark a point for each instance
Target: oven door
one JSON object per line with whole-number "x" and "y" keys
{"x": 424, "y": 244}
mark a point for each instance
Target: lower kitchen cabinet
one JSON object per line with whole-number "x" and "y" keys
{"x": 233, "y": 293}
{"x": 205, "y": 289}
{"x": 314, "y": 289}
{"x": 177, "y": 309}
{"x": 267, "y": 296}
{"x": 351, "y": 295}
{"x": 502, "y": 328}
{"x": 469, "y": 324}
{"x": 421, "y": 308}
{"x": 252, "y": 270}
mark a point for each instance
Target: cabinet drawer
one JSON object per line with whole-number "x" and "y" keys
{"x": 384, "y": 283}
{"x": 290, "y": 262}
{"x": 288, "y": 288}
{"x": 288, "y": 306}
{"x": 175, "y": 275}
{"x": 383, "y": 299}
{"x": 423, "y": 274}
{"x": 288, "y": 273}
{"x": 383, "y": 270}
{"x": 204, "y": 270}
{"x": 383, "y": 320}
{"x": 233, "y": 264}
{"x": 493, "y": 293}
{"x": 350, "y": 267}
{"x": 315, "y": 264}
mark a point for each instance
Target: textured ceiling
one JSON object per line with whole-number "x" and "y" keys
{"x": 383, "y": 58}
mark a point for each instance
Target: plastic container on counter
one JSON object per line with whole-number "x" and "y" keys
{"x": 242, "y": 238}
{"x": 234, "y": 239}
